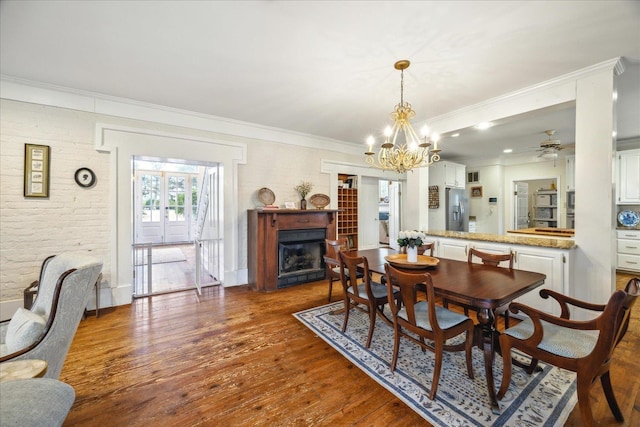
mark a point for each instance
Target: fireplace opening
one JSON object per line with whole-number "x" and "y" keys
{"x": 300, "y": 255}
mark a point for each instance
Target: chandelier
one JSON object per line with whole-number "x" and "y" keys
{"x": 409, "y": 151}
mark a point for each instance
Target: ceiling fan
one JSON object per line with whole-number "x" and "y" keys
{"x": 549, "y": 149}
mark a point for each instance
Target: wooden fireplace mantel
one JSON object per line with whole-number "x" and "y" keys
{"x": 262, "y": 239}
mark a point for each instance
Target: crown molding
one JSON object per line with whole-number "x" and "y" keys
{"x": 63, "y": 97}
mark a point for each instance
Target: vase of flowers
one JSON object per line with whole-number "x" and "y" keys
{"x": 411, "y": 240}
{"x": 303, "y": 189}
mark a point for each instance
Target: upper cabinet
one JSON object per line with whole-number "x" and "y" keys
{"x": 447, "y": 174}
{"x": 628, "y": 177}
{"x": 571, "y": 173}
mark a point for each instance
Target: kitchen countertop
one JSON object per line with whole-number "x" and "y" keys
{"x": 561, "y": 243}
{"x": 546, "y": 231}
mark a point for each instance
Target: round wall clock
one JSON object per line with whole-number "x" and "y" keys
{"x": 85, "y": 177}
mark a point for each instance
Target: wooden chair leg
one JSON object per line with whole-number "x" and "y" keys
{"x": 330, "y": 288}
{"x": 584, "y": 400}
{"x": 436, "y": 370}
{"x": 468, "y": 346}
{"x": 372, "y": 324}
{"x": 347, "y": 308}
{"x": 605, "y": 379}
{"x": 506, "y": 368}
{"x": 396, "y": 347}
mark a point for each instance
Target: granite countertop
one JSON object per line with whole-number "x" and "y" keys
{"x": 515, "y": 240}
{"x": 546, "y": 231}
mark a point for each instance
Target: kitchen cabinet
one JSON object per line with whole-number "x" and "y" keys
{"x": 452, "y": 249}
{"x": 348, "y": 214}
{"x": 628, "y": 244}
{"x": 447, "y": 174}
{"x": 546, "y": 261}
{"x": 628, "y": 177}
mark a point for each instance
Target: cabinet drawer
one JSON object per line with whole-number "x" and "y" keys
{"x": 310, "y": 220}
{"x": 629, "y": 246}
{"x": 629, "y": 262}
{"x": 628, "y": 234}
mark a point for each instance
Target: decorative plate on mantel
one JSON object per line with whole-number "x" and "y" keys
{"x": 266, "y": 196}
{"x": 320, "y": 201}
{"x": 629, "y": 218}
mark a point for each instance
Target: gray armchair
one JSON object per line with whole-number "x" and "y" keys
{"x": 47, "y": 329}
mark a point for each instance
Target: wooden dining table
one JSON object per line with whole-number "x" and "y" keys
{"x": 480, "y": 286}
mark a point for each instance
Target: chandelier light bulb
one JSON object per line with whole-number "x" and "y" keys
{"x": 387, "y": 131}
{"x": 425, "y": 131}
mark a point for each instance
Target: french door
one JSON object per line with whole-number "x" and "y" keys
{"x": 163, "y": 207}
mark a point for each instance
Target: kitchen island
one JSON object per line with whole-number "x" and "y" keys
{"x": 547, "y": 255}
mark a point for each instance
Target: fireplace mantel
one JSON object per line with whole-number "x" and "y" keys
{"x": 262, "y": 240}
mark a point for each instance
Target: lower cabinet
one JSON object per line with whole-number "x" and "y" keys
{"x": 628, "y": 250}
{"x": 554, "y": 263}
{"x": 546, "y": 261}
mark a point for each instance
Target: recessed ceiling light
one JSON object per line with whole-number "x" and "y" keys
{"x": 484, "y": 125}
{"x": 507, "y": 150}
{"x": 455, "y": 135}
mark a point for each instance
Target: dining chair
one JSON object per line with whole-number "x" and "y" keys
{"x": 414, "y": 315}
{"x": 362, "y": 290}
{"x": 422, "y": 249}
{"x": 492, "y": 260}
{"x": 332, "y": 262}
{"x": 583, "y": 347}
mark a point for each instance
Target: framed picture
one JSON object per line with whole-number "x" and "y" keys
{"x": 476, "y": 191}
{"x": 36, "y": 170}
{"x": 289, "y": 205}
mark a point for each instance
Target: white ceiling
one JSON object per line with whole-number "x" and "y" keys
{"x": 326, "y": 67}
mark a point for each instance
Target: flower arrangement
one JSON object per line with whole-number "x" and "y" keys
{"x": 303, "y": 188}
{"x": 411, "y": 238}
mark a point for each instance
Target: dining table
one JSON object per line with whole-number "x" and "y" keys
{"x": 482, "y": 287}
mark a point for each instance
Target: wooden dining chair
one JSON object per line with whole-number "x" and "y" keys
{"x": 584, "y": 347}
{"x": 422, "y": 249}
{"x": 492, "y": 260}
{"x": 332, "y": 261}
{"x": 421, "y": 317}
{"x": 362, "y": 290}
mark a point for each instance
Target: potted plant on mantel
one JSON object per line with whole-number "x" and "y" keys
{"x": 303, "y": 189}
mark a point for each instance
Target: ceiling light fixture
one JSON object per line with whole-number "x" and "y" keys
{"x": 507, "y": 150}
{"x": 410, "y": 151}
{"x": 484, "y": 125}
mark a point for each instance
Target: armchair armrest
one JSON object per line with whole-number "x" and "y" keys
{"x": 565, "y": 301}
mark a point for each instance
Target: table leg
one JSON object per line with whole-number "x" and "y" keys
{"x": 485, "y": 340}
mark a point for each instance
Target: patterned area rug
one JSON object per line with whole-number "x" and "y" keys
{"x": 543, "y": 399}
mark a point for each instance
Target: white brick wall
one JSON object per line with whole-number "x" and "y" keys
{"x": 71, "y": 218}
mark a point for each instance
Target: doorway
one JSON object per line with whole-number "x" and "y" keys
{"x": 378, "y": 212}
{"x": 165, "y": 211}
{"x": 536, "y": 203}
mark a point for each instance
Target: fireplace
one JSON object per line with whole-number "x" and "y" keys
{"x": 285, "y": 247}
{"x": 300, "y": 256}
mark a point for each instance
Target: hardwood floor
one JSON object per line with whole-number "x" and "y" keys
{"x": 235, "y": 357}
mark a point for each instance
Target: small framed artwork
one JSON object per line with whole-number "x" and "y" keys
{"x": 476, "y": 191}
{"x": 36, "y": 170}
{"x": 289, "y": 205}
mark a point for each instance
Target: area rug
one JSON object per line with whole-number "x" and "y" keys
{"x": 164, "y": 255}
{"x": 545, "y": 398}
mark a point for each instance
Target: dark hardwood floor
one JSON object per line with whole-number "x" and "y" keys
{"x": 235, "y": 357}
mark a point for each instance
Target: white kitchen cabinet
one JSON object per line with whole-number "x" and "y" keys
{"x": 570, "y": 173}
{"x": 447, "y": 174}
{"x": 546, "y": 261}
{"x": 628, "y": 177}
{"x": 628, "y": 243}
{"x": 453, "y": 249}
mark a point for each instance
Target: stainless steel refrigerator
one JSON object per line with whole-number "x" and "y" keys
{"x": 457, "y": 206}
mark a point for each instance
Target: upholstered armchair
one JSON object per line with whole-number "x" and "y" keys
{"x": 47, "y": 329}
